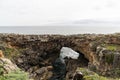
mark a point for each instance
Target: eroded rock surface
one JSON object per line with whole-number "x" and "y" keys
{"x": 98, "y": 52}
{"x": 10, "y": 71}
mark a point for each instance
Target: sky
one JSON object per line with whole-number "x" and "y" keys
{"x": 50, "y": 12}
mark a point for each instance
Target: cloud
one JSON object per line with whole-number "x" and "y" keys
{"x": 41, "y": 12}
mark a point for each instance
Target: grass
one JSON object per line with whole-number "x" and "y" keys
{"x": 94, "y": 77}
{"x": 13, "y": 75}
{"x": 112, "y": 47}
{"x": 109, "y": 58}
{"x": 90, "y": 75}
{"x": 12, "y": 52}
{"x": 17, "y": 75}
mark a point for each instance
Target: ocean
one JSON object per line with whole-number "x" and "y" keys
{"x": 58, "y": 29}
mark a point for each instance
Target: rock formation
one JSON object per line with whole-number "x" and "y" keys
{"x": 10, "y": 71}
{"x": 98, "y": 52}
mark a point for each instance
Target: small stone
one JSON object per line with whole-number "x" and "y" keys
{"x": 49, "y": 68}
{"x": 78, "y": 76}
{"x": 20, "y": 60}
{"x": 41, "y": 70}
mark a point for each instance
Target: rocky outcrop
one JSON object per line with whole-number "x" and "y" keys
{"x": 108, "y": 60}
{"x": 99, "y": 53}
{"x": 10, "y": 71}
{"x": 8, "y": 66}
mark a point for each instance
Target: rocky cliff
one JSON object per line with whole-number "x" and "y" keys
{"x": 36, "y": 53}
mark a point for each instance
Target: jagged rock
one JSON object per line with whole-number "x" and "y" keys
{"x": 8, "y": 65}
{"x": 109, "y": 60}
{"x": 116, "y": 61}
{"x": 10, "y": 71}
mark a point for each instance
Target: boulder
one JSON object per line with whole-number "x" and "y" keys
{"x": 69, "y": 53}
{"x": 8, "y": 66}
{"x": 10, "y": 71}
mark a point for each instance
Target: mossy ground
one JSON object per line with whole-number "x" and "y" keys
{"x": 12, "y": 52}
{"x": 112, "y": 47}
{"x": 13, "y": 75}
{"x": 90, "y": 75}
{"x": 109, "y": 58}
{"x": 17, "y": 75}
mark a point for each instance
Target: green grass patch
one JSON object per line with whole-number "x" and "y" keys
{"x": 112, "y": 47}
{"x": 12, "y": 52}
{"x": 90, "y": 75}
{"x": 18, "y": 75}
{"x": 94, "y": 77}
{"x": 109, "y": 58}
{"x": 13, "y": 75}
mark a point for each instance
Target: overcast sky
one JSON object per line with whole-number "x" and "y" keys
{"x": 45, "y": 12}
